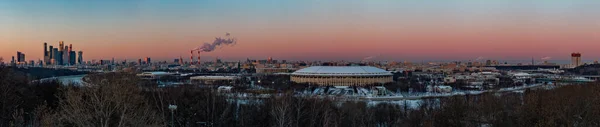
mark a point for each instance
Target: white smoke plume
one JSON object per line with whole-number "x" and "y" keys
{"x": 479, "y": 58}
{"x": 369, "y": 58}
{"x": 218, "y": 42}
{"x": 546, "y": 58}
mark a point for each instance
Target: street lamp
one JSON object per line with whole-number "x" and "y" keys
{"x": 172, "y": 108}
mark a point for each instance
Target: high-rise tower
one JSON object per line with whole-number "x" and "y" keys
{"x": 270, "y": 60}
{"x": 575, "y": 60}
{"x": 46, "y": 54}
{"x": 61, "y": 44}
{"x": 65, "y": 55}
{"x": 50, "y": 57}
{"x": 70, "y": 55}
{"x": 148, "y": 61}
{"x": 61, "y": 52}
{"x": 80, "y": 57}
{"x": 20, "y": 57}
{"x": 72, "y": 58}
{"x": 57, "y": 56}
{"x": 45, "y": 49}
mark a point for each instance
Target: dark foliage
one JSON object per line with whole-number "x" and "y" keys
{"x": 39, "y": 73}
{"x": 591, "y": 69}
{"x": 25, "y": 104}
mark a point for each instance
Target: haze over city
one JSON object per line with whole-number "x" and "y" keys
{"x": 306, "y": 29}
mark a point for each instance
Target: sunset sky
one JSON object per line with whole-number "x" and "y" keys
{"x": 306, "y": 29}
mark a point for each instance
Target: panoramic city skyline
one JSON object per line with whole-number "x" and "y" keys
{"x": 297, "y": 63}
{"x": 306, "y": 30}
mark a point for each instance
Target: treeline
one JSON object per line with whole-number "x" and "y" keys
{"x": 117, "y": 99}
{"x": 39, "y": 73}
{"x": 588, "y": 69}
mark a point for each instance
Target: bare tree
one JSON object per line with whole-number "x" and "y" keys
{"x": 13, "y": 96}
{"x": 109, "y": 100}
{"x": 281, "y": 111}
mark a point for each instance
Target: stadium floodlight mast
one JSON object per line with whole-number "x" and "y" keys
{"x": 172, "y": 108}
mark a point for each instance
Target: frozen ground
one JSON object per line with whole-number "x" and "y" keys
{"x": 66, "y": 80}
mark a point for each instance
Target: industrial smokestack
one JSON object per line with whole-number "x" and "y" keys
{"x": 199, "y": 57}
{"x": 192, "y": 57}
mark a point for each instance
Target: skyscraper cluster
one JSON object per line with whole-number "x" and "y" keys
{"x": 148, "y": 60}
{"x": 61, "y": 55}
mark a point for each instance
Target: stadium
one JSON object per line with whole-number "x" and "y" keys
{"x": 342, "y": 76}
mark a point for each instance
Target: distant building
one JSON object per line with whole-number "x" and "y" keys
{"x": 270, "y": 60}
{"x": 209, "y": 80}
{"x": 72, "y": 57}
{"x": 61, "y": 52}
{"x": 80, "y": 57}
{"x": 61, "y": 44}
{"x": 148, "y": 61}
{"x": 488, "y": 63}
{"x": 154, "y": 75}
{"x": 576, "y": 60}
{"x": 46, "y": 53}
{"x": 50, "y": 55}
{"x": 273, "y": 70}
{"x": 65, "y": 55}
{"x": 20, "y": 57}
{"x": 56, "y": 59}
{"x": 105, "y": 62}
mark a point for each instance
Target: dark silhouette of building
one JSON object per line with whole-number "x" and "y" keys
{"x": 72, "y": 58}
{"x": 20, "y": 57}
{"x": 148, "y": 61}
{"x": 80, "y": 57}
{"x": 50, "y": 55}
{"x": 57, "y": 59}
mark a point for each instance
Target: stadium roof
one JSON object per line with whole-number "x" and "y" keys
{"x": 342, "y": 71}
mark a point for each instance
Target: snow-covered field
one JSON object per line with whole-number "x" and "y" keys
{"x": 417, "y": 96}
{"x": 66, "y": 80}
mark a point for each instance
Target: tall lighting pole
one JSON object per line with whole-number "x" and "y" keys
{"x": 172, "y": 108}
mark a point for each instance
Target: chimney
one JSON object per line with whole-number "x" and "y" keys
{"x": 192, "y": 57}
